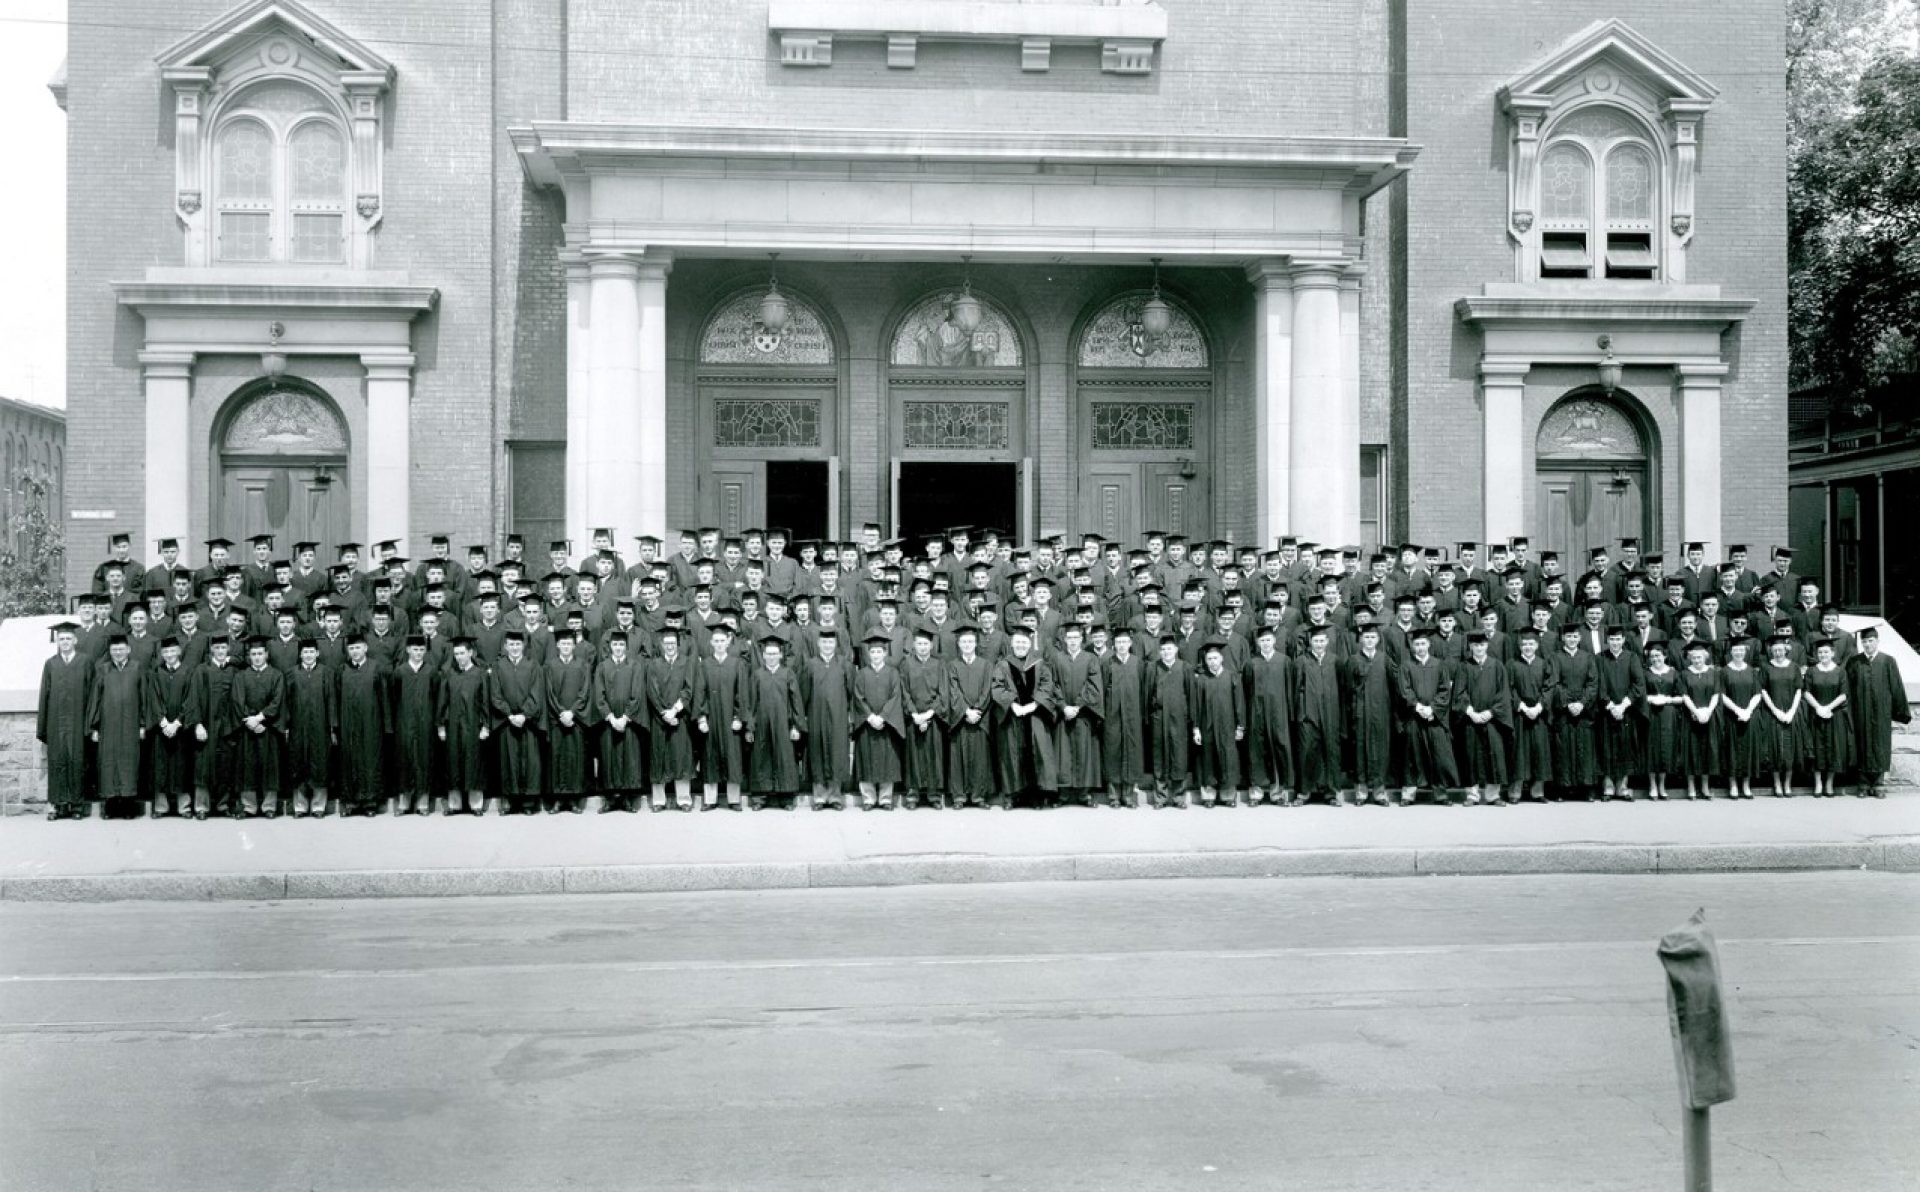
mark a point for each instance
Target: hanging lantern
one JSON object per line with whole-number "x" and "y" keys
{"x": 1156, "y": 317}
{"x": 1610, "y": 368}
{"x": 966, "y": 308}
{"x": 774, "y": 309}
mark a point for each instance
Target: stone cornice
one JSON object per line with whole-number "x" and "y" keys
{"x": 1601, "y": 308}
{"x": 548, "y": 149}
{"x": 221, "y": 290}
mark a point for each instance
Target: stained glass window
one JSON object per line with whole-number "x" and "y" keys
{"x": 1630, "y": 185}
{"x": 1142, "y": 426}
{"x": 1117, "y": 337}
{"x": 766, "y": 422}
{"x": 955, "y": 425}
{"x": 1566, "y": 185}
{"x": 246, "y": 163}
{"x": 286, "y": 422}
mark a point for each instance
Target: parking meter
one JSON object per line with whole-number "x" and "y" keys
{"x": 1702, "y": 1040}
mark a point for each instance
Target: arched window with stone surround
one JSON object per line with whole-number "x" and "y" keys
{"x": 280, "y": 177}
{"x": 1599, "y": 177}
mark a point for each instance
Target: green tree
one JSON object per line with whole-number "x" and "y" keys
{"x": 33, "y": 563}
{"x": 1853, "y": 128}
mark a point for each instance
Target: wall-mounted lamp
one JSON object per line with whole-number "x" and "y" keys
{"x": 1610, "y": 368}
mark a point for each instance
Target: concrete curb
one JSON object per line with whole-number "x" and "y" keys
{"x": 1899, "y": 856}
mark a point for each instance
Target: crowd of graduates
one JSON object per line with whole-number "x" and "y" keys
{"x": 955, "y": 671}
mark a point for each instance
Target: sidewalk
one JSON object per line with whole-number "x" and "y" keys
{"x": 334, "y": 858}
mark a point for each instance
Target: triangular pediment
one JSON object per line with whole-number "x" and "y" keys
{"x": 258, "y": 19}
{"x": 1611, "y": 44}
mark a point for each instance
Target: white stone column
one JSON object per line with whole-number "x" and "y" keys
{"x": 609, "y": 445}
{"x": 1697, "y": 395}
{"x": 169, "y": 391}
{"x": 1350, "y": 391}
{"x": 1503, "y": 388}
{"x": 651, "y": 511}
{"x": 389, "y": 447}
{"x": 1272, "y": 397}
{"x": 578, "y": 340}
{"x": 1324, "y": 461}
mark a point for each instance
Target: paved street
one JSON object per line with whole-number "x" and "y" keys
{"x": 1473, "y": 1033}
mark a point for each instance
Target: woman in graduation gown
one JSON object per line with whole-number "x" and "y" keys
{"x": 363, "y": 718}
{"x": 464, "y": 724}
{"x": 1317, "y": 699}
{"x": 1782, "y": 698}
{"x": 1371, "y": 692}
{"x": 772, "y": 710}
{"x": 722, "y": 745}
{"x": 1268, "y": 677}
{"x": 1530, "y": 689}
{"x": 1742, "y": 728}
{"x": 1830, "y": 723}
{"x": 1662, "y": 747}
{"x": 569, "y": 683}
{"x": 970, "y": 714}
{"x": 620, "y": 709}
{"x": 1700, "y": 754}
{"x": 1485, "y": 711}
{"x": 519, "y": 702}
{"x": 1025, "y": 703}
{"x": 924, "y": 677}
{"x": 1218, "y": 700}
{"x": 826, "y": 684}
{"x": 1077, "y": 682}
{"x": 1123, "y": 723}
{"x": 1878, "y": 699}
{"x": 879, "y": 720}
{"x": 673, "y": 700}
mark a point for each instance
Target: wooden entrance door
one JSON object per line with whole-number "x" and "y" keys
{"x": 294, "y": 502}
{"x": 1581, "y": 508}
{"x": 736, "y": 493}
{"x": 1113, "y": 494}
{"x": 1127, "y": 499}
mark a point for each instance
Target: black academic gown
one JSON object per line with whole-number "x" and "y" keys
{"x": 1430, "y": 755}
{"x": 519, "y": 689}
{"x": 60, "y": 724}
{"x": 771, "y": 705}
{"x": 877, "y": 751}
{"x": 1269, "y": 687}
{"x": 923, "y": 690}
{"x": 118, "y": 714}
{"x": 620, "y": 711}
{"x": 1078, "y": 683}
{"x": 1481, "y": 687}
{"x": 260, "y": 693}
{"x": 365, "y": 719}
{"x": 1219, "y": 707}
{"x": 312, "y": 705}
{"x": 1123, "y": 726}
{"x": 670, "y": 743}
{"x": 1878, "y": 698}
{"x": 1025, "y": 753}
{"x": 1317, "y": 699}
{"x": 970, "y": 752}
{"x": 413, "y": 700}
{"x": 463, "y": 710}
{"x": 173, "y": 697}
{"x": 1575, "y": 681}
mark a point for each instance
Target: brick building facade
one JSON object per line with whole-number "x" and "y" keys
{"x": 33, "y": 441}
{"x": 356, "y": 270}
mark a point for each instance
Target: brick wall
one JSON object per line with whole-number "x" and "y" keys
{"x": 1457, "y": 55}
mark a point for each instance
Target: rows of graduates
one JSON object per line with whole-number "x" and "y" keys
{"x": 733, "y": 674}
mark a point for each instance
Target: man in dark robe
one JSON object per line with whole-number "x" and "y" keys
{"x": 464, "y": 723}
{"x": 1217, "y": 701}
{"x": 259, "y": 707}
{"x": 518, "y": 696}
{"x": 1077, "y": 684}
{"x": 1576, "y": 685}
{"x": 1426, "y": 701}
{"x": 1879, "y": 699}
{"x": 1169, "y": 716}
{"x": 216, "y": 760}
{"x": 721, "y": 744}
{"x": 312, "y": 708}
{"x": 363, "y": 718}
{"x": 826, "y": 686}
{"x": 1123, "y": 721}
{"x": 772, "y": 710}
{"x": 1318, "y": 702}
{"x": 878, "y": 718}
{"x": 569, "y": 683}
{"x": 1620, "y": 691}
{"x": 620, "y": 714}
{"x": 923, "y": 706}
{"x": 1026, "y": 704}
{"x": 413, "y": 703}
{"x": 1372, "y": 688}
{"x": 117, "y": 722}
{"x": 1269, "y": 695}
{"x": 1485, "y": 711}
{"x": 673, "y": 699}
{"x": 177, "y": 719}
{"x": 970, "y": 719}
{"x": 60, "y": 724}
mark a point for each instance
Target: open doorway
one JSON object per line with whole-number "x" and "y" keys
{"x": 797, "y": 498}
{"x": 934, "y": 496}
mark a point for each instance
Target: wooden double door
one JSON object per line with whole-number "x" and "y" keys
{"x": 801, "y": 496}
{"x": 1579, "y": 508}
{"x": 1122, "y": 500}
{"x": 295, "y": 501}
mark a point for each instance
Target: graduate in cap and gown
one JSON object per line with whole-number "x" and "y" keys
{"x": 259, "y": 706}
{"x": 1169, "y": 723}
{"x": 517, "y": 696}
{"x": 60, "y": 722}
{"x": 365, "y": 718}
{"x": 878, "y": 717}
{"x": 1077, "y": 679}
{"x": 1878, "y": 698}
{"x": 1576, "y": 685}
{"x": 413, "y": 696}
{"x": 1372, "y": 689}
{"x": 1484, "y": 706}
{"x": 826, "y": 685}
{"x": 465, "y": 726}
{"x": 177, "y": 717}
{"x": 1830, "y": 726}
{"x": 1123, "y": 725}
{"x": 673, "y": 711}
{"x": 1700, "y": 756}
{"x": 1268, "y": 678}
{"x": 721, "y": 745}
{"x": 570, "y": 720}
{"x": 1620, "y": 691}
{"x": 924, "y": 679}
{"x": 620, "y": 711}
{"x": 1662, "y": 744}
{"x": 1743, "y": 736}
{"x": 969, "y": 715}
{"x": 311, "y": 708}
{"x": 773, "y": 710}
{"x": 1782, "y": 697}
{"x": 117, "y": 721}
{"x": 1319, "y": 698}
{"x": 1026, "y": 703}
{"x": 1530, "y": 687}
{"x": 1426, "y": 691}
{"x": 1218, "y": 702}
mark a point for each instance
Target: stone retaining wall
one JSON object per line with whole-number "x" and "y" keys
{"x": 23, "y": 766}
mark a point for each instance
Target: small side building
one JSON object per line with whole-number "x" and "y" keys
{"x": 33, "y": 444}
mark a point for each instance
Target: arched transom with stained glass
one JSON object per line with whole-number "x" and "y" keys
{"x": 285, "y": 421}
{"x": 280, "y": 177}
{"x": 1118, "y": 337}
{"x": 1599, "y": 183}
{"x": 736, "y": 334}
